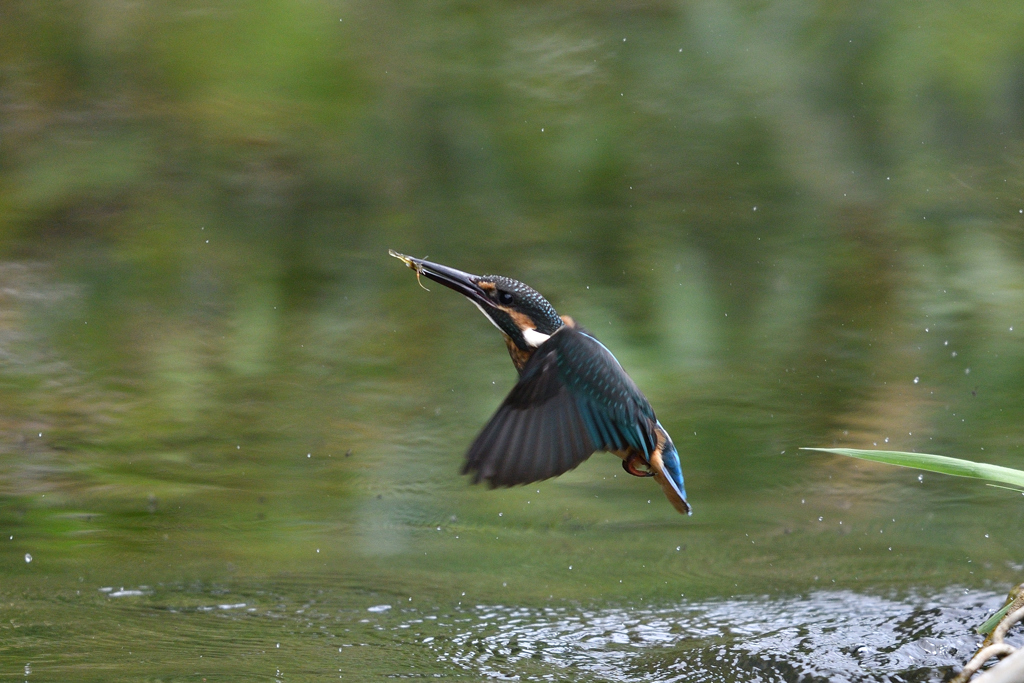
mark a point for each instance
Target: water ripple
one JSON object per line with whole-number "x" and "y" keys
{"x": 824, "y": 636}
{"x": 303, "y": 628}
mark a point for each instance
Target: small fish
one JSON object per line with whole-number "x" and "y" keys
{"x": 412, "y": 264}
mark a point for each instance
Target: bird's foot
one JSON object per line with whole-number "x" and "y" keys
{"x": 630, "y": 465}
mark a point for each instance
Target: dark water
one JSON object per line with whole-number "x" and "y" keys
{"x": 231, "y": 427}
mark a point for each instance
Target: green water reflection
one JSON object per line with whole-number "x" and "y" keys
{"x": 794, "y": 223}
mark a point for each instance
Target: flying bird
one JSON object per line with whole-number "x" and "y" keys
{"x": 572, "y": 398}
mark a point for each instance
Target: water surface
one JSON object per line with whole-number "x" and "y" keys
{"x": 231, "y": 426}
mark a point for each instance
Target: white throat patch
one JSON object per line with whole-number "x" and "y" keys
{"x": 535, "y": 338}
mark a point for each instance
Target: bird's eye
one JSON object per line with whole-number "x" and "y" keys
{"x": 505, "y": 297}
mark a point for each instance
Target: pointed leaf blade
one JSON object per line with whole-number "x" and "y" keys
{"x": 934, "y": 463}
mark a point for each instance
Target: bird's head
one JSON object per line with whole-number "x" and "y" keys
{"x": 517, "y": 310}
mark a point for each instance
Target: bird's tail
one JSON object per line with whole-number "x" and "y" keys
{"x": 668, "y": 472}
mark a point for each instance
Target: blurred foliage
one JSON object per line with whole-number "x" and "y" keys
{"x": 784, "y": 217}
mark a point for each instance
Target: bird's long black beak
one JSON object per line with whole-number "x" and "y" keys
{"x": 463, "y": 283}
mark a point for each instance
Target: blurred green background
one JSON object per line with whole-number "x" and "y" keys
{"x": 795, "y": 223}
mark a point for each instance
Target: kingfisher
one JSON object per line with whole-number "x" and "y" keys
{"x": 572, "y": 399}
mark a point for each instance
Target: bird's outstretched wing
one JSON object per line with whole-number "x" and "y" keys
{"x": 572, "y": 398}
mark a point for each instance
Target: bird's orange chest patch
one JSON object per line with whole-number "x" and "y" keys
{"x": 519, "y": 356}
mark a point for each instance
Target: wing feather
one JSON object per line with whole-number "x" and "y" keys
{"x": 562, "y": 456}
{"x": 543, "y": 445}
{"x": 572, "y": 398}
{"x": 515, "y": 449}
{"x": 519, "y": 462}
{"x": 498, "y": 432}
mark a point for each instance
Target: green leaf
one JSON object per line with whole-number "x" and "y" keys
{"x": 934, "y": 463}
{"x": 993, "y": 620}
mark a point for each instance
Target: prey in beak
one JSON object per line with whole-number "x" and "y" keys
{"x": 464, "y": 283}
